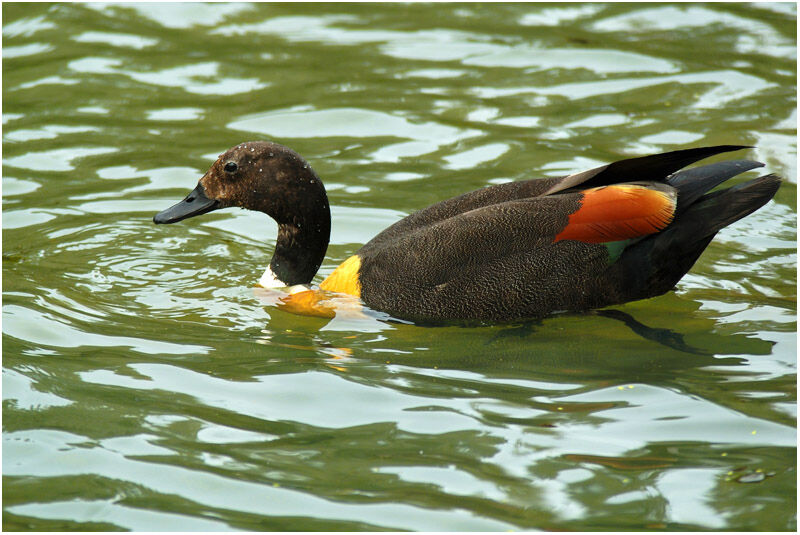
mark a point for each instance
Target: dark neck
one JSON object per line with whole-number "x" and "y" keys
{"x": 301, "y": 245}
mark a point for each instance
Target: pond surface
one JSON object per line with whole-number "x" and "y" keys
{"x": 146, "y": 387}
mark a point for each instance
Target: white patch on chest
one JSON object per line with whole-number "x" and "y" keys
{"x": 270, "y": 280}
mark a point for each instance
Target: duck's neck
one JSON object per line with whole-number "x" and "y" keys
{"x": 300, "y": 249}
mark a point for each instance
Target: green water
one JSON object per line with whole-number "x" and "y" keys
{"x": 146, "y": 387}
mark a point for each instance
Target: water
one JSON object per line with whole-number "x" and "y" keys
{"x": 146, "y": 387}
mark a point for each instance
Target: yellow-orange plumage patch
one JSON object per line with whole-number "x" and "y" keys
{"x": 308, "y": 303}
{"x": 621, "y": 212}
{"x": 344, "y": 278}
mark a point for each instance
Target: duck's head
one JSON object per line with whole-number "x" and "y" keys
{"x": 270, "y": 178}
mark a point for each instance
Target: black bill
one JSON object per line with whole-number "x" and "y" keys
{"x": 196, "y": 203}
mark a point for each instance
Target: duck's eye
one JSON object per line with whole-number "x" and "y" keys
{"x": 231, "y": 167}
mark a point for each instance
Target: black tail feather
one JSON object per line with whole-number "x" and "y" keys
{"x": 656, "y": 263}
{"x": 655, "y": 167}
{"x": 693, "y": 183}
{"x": 719, "y": 209}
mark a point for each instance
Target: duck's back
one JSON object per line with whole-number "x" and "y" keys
{"x": 460, "y": 204}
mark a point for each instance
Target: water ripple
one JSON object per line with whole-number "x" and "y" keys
{"x": 148, "y": 386}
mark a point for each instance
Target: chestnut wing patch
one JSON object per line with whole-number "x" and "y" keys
{"x": 620, "y": 212}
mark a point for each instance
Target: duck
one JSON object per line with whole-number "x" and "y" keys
{"x": 625, "y": 231}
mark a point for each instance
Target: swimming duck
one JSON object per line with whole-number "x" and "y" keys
{"x": 625, "y": 231}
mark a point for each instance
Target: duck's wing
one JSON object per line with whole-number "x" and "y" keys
{"x": 655, "y": 168}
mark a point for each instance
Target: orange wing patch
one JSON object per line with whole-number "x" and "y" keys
{"x": 621, "y": 212}
{"x": 344, "y": 278}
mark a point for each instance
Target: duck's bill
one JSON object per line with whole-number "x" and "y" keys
{"x": 196, "y": 203}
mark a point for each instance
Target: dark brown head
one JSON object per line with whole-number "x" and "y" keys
{"x": 269, "y": 178}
